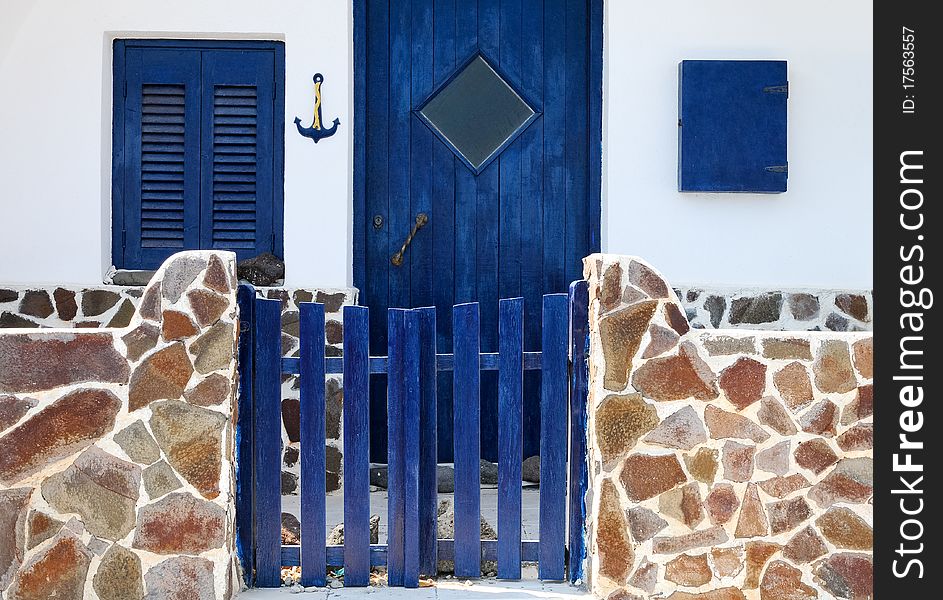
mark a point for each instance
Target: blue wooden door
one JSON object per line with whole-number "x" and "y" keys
{"x": 484, "y": 116}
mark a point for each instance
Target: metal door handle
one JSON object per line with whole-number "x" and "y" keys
{"x": 421, "y": 220}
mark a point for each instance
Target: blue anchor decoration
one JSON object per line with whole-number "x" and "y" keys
{"x": 316, "y": 132}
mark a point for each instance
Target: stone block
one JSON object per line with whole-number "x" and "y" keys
{"x": 676, "y": 377}
{"x": 180, "y": 524}
{"x": 25, "y": 360}
{"x": 191, "y": 438}
{"x": 181, "y": 577}
{"x": 119, "y": 575}
{"x": 137, "y": 443}
{"x": 621, "y": 334}
{"x": 620, "y": 421}
{"x": 682, "y": 429}
{"x": 13, "y": 507}
{"x": 645, "y": 476}
{"x": 615, "y": 550}
{"x": 65, "y": 427}
{"x": 215, "y": 349}
{"x": 162, "y": 375}
{"x": 58, "y": 571}
{"x": 102, "y": 488}
{"x": 743, "y": 382}
{"x": 688, "y": 570}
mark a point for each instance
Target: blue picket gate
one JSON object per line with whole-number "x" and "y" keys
{"x": 411, "y": 365}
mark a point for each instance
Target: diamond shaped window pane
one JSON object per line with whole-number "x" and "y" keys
{"x": 477, "y": 112}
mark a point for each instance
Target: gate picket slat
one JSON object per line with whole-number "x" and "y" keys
{"x": 395, "y": 397}
{"x": 466, "y": 411}
{"x": 428, "y": 442}
{"x": 510, "y": 442}
{"x": 356, "y": 446}
{"x": 553, "y": 425}
{"x": 411, "y": 433}
{"x": 313, "y": 542}
{"x": 268, "y": 429}
{"x": 579, "y": 380}
{"x": 245, "y": 433}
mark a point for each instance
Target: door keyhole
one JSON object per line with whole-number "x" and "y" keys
{"x": 377, "y": 222}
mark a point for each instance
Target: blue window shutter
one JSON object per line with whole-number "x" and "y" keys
{"x": 732, "y": 126}
{"x": 161, "y": 156}
{"x": 198, "y": 148}
{"x": 239, "y": 149}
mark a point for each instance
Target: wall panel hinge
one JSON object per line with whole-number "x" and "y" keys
{"x": 777, "y": 169}
{"x": 777, "y": 89}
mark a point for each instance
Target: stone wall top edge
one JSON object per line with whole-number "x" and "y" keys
{"x": 731, "y": 289}
{"x": 698, "y": 335}
{"x": 750, "y": 289}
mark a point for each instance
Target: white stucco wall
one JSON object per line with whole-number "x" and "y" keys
{"x": 55, "y": 150}
{"x": 819, "y": 232}
{"x": 55, "y": 119}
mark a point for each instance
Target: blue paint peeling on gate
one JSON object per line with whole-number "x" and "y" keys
{"x": 411, "y": 365}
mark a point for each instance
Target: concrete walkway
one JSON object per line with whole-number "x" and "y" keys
{"x": 449, "y": 589}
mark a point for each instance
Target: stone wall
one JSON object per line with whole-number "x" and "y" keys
{"x": 114, "y": 306}
{"x": 67, "y": 306}
{"x": 334, "y": 301}
{"x": 116, "y": 473}
{"x": 805, "y": 309}
{"x": 724, "y": 464}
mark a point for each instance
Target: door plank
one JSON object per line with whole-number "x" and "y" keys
{"x": 419, "y": 256}
{"x": 466, "y": 186}
{"x": 400, "y": 219}
{"x": 509, "y": 279}
{"x": 578, "y": 301}
{"x": 376, "y": 291}
{"x": 489, "y": 18}
{"x": 577, "y": 67}
{"x": 443, "y": 220}
{"x": 555, "y": 113}
{"x": 532, "y": 242}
